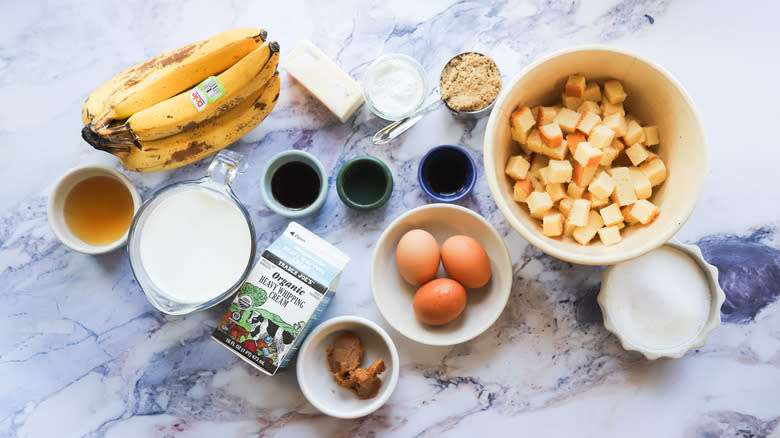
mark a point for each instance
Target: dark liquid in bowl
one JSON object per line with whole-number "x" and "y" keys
{"x": 446, "y": 173}
{"x": 295, "y": 185}
{"x": 365, "y": 183}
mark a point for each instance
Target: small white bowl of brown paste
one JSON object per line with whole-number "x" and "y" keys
{"x": 347, "y": 367}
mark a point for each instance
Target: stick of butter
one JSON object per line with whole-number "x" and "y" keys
{"x": 340, "y": 93}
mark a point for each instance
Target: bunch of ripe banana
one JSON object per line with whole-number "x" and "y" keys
{"x": 185, "y": 104}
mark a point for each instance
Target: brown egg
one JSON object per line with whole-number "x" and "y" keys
{"x": 417, "y": 256}
{"x": 439, "y": 301}
{"x": 466, "y": 261}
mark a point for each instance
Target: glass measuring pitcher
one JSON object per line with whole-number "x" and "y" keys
{"x": 191, "y": 245}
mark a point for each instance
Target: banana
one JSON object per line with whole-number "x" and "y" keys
{"x": 158, "y": 79}
{"x": 196, "y": 143}
{"x": 178, "y": 113}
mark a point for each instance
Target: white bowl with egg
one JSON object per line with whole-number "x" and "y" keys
{"x": 316, "y": 380}
{"x": 663, "y": 303}
{"x": 655, "y": 97}
{"x": 394, "y": 296}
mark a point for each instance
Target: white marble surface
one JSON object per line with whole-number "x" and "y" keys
{"x": 82, "y": 353}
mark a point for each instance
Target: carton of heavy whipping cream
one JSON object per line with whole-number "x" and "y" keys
{"x": 283, "y": 296}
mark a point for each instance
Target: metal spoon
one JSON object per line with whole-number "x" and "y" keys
{"x": 393, "y": 130}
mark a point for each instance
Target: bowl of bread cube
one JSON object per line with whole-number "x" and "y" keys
{"x": 595, "y": 155}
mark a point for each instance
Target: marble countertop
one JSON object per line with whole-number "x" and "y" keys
{"x": 82, "y": 352}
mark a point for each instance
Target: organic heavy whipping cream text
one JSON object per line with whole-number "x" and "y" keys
{"x": 659, "y": 300}
{"x": 195, "y": 245}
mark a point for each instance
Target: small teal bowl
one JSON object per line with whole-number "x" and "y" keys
{"x": 364, "y": 183}
{"x": 275, "y": 163}
{"x": 436, "y": 171}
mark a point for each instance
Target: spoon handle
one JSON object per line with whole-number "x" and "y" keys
{"x": 393, "y": 130}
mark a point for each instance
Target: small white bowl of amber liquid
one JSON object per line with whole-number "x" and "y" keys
{"x": 91, "y": 208}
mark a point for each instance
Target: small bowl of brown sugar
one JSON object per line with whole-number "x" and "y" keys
{"x": 347, "y": 367}
{"x": 469, "y": 84}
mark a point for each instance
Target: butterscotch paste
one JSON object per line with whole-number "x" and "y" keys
{"x": 344, "y": 362}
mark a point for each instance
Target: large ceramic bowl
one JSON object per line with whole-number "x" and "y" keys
{"x": 654, "y": 96}
{"x": 393, "y": 295}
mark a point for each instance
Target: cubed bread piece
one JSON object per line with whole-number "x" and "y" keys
{"x": 568, "y": 229}
{"x": 654, "y": 169}
{"x": 588, "y": 155}
{"x": 521, "y": 121}
{"x": 591, "y": 106}
{"x": 634, "y": 133}
{"x": 587, "y": 122}
{"x": 572, "y": 140}
{"x": 613, "y": 90}
{"x": 651, "y": 135}
{"x": 534, "y": 141}
{"x": 602, "y": 186}
{"x": 556, "y": 153}
{"x": 601, "y": 136}
{"x": 578, "y": 214}
{"x": 536, "y": 182}
{"x": 627, "y": 217}
{"x": 575, "y": 85}
{"x": 617, "y": 123}
{"x": 551, "y": 135}
{"x": 644, "y": 211}
{"x": 620, "y": 225}
{"x": 642, "y": 186}
{"x": 571, "y": 102}
{"x": 535, "y": 112}
{"x": 521, "y": 190}
{"x": 630, "y": 117}
{"x": 565, "y": 206}
{"x": 611, "y": 152}
{"x": 582, "y": 175}
{"x": 539, "y": 203}
{"x": 538, "y": 161}
{"x": 609, "y": 108}
{"x": 567, "y": 120}
{"x": 560, "y": 171}
{"x": 544, "y": 175}
{"x": 574, "y": 190}
{"x": 583, "y": 235}
{"x": 595, "y": 201}
{"x": 609, "y": 235}
{"x": 592, "y": 92}
{"x": 637, "y": 154}
{"x": 546, "y": 115}
{"x": 517, "y": 167}
{"x": 624, "y": 186}
{"x": 552, "y": 224}
{"x": 611, "y": 215}
{"x": 556, "y": 191}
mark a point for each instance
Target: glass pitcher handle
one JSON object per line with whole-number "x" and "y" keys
{"x": 224, "y": 166}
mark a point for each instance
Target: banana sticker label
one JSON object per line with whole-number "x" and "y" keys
{"x": 206, "y": 92}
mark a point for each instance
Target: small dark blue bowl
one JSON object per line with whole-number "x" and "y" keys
{"x": 447, "y": 173}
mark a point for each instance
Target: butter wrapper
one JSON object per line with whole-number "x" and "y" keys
{"x": 281, "y": 299}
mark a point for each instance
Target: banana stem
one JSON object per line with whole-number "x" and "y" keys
{"x": 110, "y": 145}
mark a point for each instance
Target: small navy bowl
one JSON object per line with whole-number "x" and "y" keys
{"x": 447, "y": 159}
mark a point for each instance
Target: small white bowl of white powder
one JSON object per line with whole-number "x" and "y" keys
{"x": 394, "y": 86}
{"x": 663, "y": 303}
